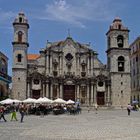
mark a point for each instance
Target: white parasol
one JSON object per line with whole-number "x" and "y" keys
{"x": 70, "y": 102}
{"x": 59, "y": 101}
{"x": 7, "y": 101}
{"x": 29, "y": 100}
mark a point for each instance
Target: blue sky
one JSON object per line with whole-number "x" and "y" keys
{"x": 88, "y": 21}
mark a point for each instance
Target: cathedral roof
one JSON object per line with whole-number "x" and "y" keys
{"x": 68, "y": 40}
{"x": 32, "y": 56}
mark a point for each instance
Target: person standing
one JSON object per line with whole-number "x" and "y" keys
{"x": 129, "y": 107}
{"x": 2, "y": 109}
{"x": 22, "y": 110}
{"x": 13, "y": 112}
{"x": 96, "y": 108}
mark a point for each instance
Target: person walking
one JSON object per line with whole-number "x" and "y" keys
{"x": 2, "y": 109}
{"x": 13, "y": 112}
{"x": 96, "y": 108}
{"x": 129, "y": 107}
{"x": 22, "y": 110}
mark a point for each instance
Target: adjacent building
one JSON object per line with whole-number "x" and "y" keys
{"x": 135, "y": 70}
{"x": 71, "y": 70}
{"x": 5, "y": 79}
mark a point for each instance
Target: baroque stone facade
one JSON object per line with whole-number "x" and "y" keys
{"x": 71, "y": 70}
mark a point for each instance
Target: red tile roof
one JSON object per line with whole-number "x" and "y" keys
{"x": 32, "y": 56}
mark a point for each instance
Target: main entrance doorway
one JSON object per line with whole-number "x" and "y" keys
{"x": 100, "y": 98}
{"x": 36, "y": 94}
{"x": 69, "y": 92}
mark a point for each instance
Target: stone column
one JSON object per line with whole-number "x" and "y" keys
{"x": 62, "y": 70}
{"x": 43, "y": 90}
{"x": 79, "y": 72}
{"x": 47, "y": 70}
{"x": 51, "y": 64}
{"x": 60, "y": 64}
{"x": 88, "y": 66}
{"x": 51, "y": 90}
{"x": 28, "y": 90}
{"x": 95, "y": 94}
{"x": 77, "y": 64}
{"x": 47, "y": 90}
{"x": 87, "y": 101}
{"x": 92, "y": 64}
{"x": 91, "y": 94}
{"x": 47, "y": 64}
{"x": 75, "y": 93}
{"x": 107, "y": 94}
{"x": 61, "y": 91}
{"x": 78, "y": 94}
{"x": 58, "y": 91}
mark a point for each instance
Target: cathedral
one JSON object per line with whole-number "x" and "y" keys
{"x": 71, "y": 70}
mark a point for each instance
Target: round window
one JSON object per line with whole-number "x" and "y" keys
{"x": 100, "y": 84}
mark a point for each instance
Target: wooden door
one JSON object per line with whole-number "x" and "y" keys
{"x": 69, "y": 92}
{"x": 100, "y": 98}
{"x": 36, "y": 94}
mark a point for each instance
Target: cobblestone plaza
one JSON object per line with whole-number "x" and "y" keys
{"x": 106, "y": 125}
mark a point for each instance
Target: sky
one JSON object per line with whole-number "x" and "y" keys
{"x": 87, "y": 20}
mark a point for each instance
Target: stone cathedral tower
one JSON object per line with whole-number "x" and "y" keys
{"x": 118, "y": 63}
{"x": 20, "y": 47}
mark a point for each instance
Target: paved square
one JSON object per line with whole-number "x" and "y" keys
{"x": 106, "y": 125}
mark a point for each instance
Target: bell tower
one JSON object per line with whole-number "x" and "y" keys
{"x": 118, "y": 63}
{"x": 20, "y": 47}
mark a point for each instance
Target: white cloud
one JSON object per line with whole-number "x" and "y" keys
{"x": 4, "y": 16}
{"x": 5, "y": 19}
{"x": 78, "y": 12}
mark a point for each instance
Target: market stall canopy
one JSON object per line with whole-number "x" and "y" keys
{"x": 46, "y": 100}
{"x": 29, "y": 100}
{"x": 7, "y": 101}
{"x": 59, "y": 101}
{"x": 70, "y": 102}
{"x": 17, "y": 101}
{"x": 43, "y": 100}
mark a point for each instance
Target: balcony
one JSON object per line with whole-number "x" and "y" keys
{"x": 4, "y": 77}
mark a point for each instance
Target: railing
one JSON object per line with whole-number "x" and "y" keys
{"x": 5, "y": 76}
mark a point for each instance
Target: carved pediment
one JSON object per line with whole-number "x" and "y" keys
{"x": 101, "y": 77}
{"x": 36, "y": 75}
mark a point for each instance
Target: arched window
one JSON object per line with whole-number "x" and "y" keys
{"x": 108, "y": 40}
{"x": 120, "y": 41}
{"x": 3, "y": 65}
{"x": 83, "y": 68}
{"x": 20, "y": 36}
{"x": 121, "y": 63}
{"x": 119, "y": 26}
{"x": 20, "y": 19}
{"x": 19, "y": 57}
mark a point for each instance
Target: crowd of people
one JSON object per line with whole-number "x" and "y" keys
{"x": 36, "y": 109}
{"x": 12, "y": 109}
{"x": 45, "y": 109}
